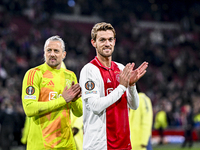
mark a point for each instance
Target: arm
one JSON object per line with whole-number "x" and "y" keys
{"x": 94, "y": 98}
{"x": 137, "y": 73}
{"x": 25, "y": 130}
{"x": 31, "y": 92}
{"x": 33, "y": 108}
{"x": 131, "y": 92}
{"x": 77, "y": 107}
{"x": 132, "y": 97}
{"x": 98, "y": 104}
{"x": 76, "y": 104}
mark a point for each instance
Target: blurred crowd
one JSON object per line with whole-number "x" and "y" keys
{"x": 172, "y": 79}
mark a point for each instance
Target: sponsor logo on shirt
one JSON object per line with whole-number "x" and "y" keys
{"x": 30, "y": 97}
{"x": 54, "y": 95}
{"x": 30, "y": 90}
{"x": 109, "y": 90}
{"x": 91, "y": 92}
{"x": 89, "y": 85}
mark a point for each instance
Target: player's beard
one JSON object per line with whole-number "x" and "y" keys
{"x": 103, "y": 54}
{"x": 52, "y": 64}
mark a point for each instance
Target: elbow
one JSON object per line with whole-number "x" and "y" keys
{"x": 135, "y": 106}
{"x": 96, "y": 111}
{"x": 134, "y": 102}
{"x": 28, "y": 111}
{"x": 78, "y": 114}
{"x": 29, "y": 114}
{"x": 95, "y": 107}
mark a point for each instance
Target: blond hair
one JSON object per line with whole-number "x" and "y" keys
{"x": 55, "y": 38}
{"x": 103, "y": 26}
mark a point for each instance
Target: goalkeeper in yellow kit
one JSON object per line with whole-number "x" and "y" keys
{"x": 49, "y": 92}
{"x": 141, "y": 123}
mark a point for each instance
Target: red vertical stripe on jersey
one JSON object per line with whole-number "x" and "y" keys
{"x": 28, "y": 77}
{"x": 117, "y": 125}
{"x": 31, "y": 77}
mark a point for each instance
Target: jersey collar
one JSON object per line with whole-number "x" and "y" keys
{"x": 101, "y": 65}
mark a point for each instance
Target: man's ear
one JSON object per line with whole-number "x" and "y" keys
{"x": 93, "y": 43}
{"x": 64, "y": 54}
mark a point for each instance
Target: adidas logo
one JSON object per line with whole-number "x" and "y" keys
{"x": 108, "y": 81}
{"x": 51, "y": 83}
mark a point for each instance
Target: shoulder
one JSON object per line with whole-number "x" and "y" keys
{"x": 89, "y": 67}
{"x": 32, "y": 75}
{"x": 90, "y": 72}
{"x": 141, "y": 95}
{"x": 144, "y": 97}
{"x": 70, "y": 75}
{"x": 68, "y": 72}
{"x": 35, "y": 70}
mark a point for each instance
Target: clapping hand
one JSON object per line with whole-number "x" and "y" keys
{"x": 138, "y": 73}
{"x": 73, "y": 93}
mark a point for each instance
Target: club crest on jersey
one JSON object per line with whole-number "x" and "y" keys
{"x": 117, "y": 77}
{"x": 89, "y": 85}
{"x": 30, "y": 90}
{"x": 68, "y": 83}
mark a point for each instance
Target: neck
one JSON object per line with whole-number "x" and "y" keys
{"x": 54, "y": 67}
{"x": 105, "y": 61}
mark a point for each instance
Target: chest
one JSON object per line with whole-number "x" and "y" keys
{"x": 110, "y": 78}
{"x": 56, "y": 81}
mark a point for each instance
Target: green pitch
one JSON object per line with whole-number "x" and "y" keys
{"x": 196, "y": 146}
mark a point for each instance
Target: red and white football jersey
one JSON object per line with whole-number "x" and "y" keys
{"x": 105, "y": 109}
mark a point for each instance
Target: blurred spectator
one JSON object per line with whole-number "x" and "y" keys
{"x": 197, "y": 124}
{"x": 176, "y": 112}
{"x": 7, "y": 122}
{"x": 161, "y": 122}
{"x": 197, "y": 120}
{"x": 188, "y": 124}
{"x": 20, "y": 119}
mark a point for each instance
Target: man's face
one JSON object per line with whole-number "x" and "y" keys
{"x": 54, "y": 54}
{"x": 104, "y": 43}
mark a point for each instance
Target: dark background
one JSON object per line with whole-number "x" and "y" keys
{"x": 164, "y": 33}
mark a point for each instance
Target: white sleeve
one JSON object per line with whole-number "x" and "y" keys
{"x": 131, "y": 93}
{"x": 132, "y": 97}
{"x": 98, "y": 104}
{"x": 93, "y": 95}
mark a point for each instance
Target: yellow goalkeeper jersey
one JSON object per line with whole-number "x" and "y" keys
{"x": 140, "y": 121}
{"x": 50, "y": 123}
